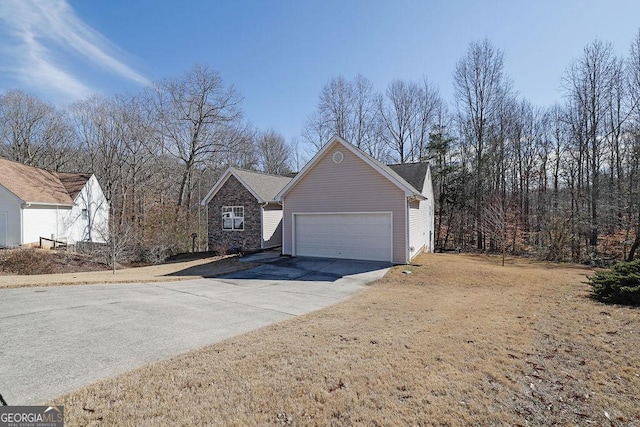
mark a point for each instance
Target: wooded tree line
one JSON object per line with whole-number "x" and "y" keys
{"x": 558, "y": 182}
{"x": 155, "y": 153}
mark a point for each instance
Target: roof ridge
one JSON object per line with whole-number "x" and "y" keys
{"x": 73, "y": 173}
{"x": 257, "y": 172}
{"x": 408, "y": 163}
{"x": 39, "y": 168}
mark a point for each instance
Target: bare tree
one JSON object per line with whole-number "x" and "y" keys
{"x": 34, "y": 132}
{"x": 336, "y": 105}
{"x": 346, "y": 109}
{"x": 298, "y": 156}
{"x": 315, "y": 131}
{"x": 192, "y": 111}
{"x": 363, "y": 132}
{"x": 273, "y": 153}
{"x": 398, "y": 113}
{"x": 239, "y": 150}
{"x": 588, "y": 83}
{"x": 100, "y": 133}
{"x": 633, "y": 174}
{"x": 495, "y": 224}
{"x": 480, "y": 88}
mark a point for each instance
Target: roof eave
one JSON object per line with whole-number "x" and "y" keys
{"x": 27, "y": 203}
{"x": 417, "y": 196}
{"x": 222, "y": 180}
{"x": 403, "y": 185}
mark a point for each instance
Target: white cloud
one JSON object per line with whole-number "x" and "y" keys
{"x": 39, "y": 35}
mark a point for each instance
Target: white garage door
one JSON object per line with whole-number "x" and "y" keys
{"x": 364, "y": 236}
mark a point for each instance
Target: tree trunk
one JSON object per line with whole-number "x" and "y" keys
{"x": 634, "y": 247}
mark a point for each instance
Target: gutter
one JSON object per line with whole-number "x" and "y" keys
{"x": 29, "y": 204}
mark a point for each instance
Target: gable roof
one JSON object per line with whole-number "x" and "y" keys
{"x": 262, "y": 186}
{"x": 73, "y": 182}
{"x": 392, "y": 175}
{"x": 35, "y": 185}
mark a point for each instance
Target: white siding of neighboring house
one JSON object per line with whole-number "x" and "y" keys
{"x": 66, "y": 223}
{"x": 271, "y": 226}
{"x": 43, "y": 221}
{"x": 95, "y": 226}
{"x": 349, "y": 186}
{"x": 10, "y": 209}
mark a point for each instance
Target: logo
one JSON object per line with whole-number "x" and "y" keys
{"x": 31, "y": 416}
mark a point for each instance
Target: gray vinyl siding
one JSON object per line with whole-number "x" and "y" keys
{"x": 349, "y": 186}
{"x": 271, "y": 226}
{"x": 10, "y": 206}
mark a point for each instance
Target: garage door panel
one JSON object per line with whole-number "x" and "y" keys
{"x": 353, "y": 236}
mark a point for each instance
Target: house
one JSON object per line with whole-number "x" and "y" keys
{"x": 242, "y": 212}
{"x": 35, "y": 203}
{"x": 346, "y": 204}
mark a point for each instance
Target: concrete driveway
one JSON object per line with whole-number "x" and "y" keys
{"x": 56, "y": 339}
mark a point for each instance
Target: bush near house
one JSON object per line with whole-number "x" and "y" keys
{"x": 26, "y": 261}
{"x": 618, "y": 285}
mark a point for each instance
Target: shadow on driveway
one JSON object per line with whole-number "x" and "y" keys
{"x": 308, "y": 269}
{"x": 214, "y": 268}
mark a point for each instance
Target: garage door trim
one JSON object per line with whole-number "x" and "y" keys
{"x": 293, "y": 226}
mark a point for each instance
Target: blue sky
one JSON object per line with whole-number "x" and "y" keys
{"x": 279, "y": 53}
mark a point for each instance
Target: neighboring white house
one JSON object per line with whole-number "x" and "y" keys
{"x": 35, "y": 203}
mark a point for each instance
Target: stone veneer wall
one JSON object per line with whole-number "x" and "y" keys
{"x": 233, "y": 193}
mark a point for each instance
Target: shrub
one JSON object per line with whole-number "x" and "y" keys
{"x": 619, "y": 285}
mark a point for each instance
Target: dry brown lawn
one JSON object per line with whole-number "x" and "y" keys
{"x": 460, "y": 341}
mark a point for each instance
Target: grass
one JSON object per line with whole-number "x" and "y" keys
{"x": 459, "y": 341}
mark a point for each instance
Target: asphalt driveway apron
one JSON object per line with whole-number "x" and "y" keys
{"x": 56, "y": 339}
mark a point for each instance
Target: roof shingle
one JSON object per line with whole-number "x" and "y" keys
{"x": 413, "y": 173}
{"x": 264, "y": 185}
{"x": 36, "y": 185}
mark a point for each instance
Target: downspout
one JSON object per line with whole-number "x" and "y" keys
{"x": 262, "y": 206}
{"x": 206, "y": 215}
{"x": 406, "y": 232}
{"x": 22, "y": 225}
{"x": 281, "y": 203}
{"x": 23, "y": 206}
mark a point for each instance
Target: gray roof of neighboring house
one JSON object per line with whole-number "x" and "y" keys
{"x": 413, "y": 173}
{"x": 264, "y": 185}
{"x": 35, "y": 185}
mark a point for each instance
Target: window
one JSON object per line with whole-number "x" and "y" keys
{"x": 233, "y": 217}
{"x": 85, "y": 214}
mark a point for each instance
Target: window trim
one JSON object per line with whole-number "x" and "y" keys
{"x": 232, "y": 210}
